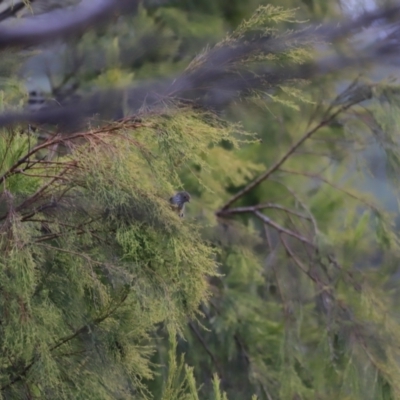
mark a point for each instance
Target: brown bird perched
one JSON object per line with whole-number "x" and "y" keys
{"x": 178, "y": 201}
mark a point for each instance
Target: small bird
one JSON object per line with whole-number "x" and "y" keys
{"x": 178, "y": 202}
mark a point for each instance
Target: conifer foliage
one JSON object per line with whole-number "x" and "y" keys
{"x": 279, "y": 283}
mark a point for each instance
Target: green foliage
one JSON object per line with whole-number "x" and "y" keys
{"x": 280, "y": 282}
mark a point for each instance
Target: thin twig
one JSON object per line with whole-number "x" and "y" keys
{"x": 282, "y": 160}
{"x": 204, "y": 344}
{"x": 41, "y": 190}
{"x": 240, "y": 210}
{"x": 296, "y": 260}
{"x": 319, "y": 177}
{"x": 281, "y": 229}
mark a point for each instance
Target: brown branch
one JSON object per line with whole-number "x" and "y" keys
{"x": 284, "y": 158}
{"x": 56, "y": 177}
{"x": 242, "y": 347}
{"x": 86, "y": 328}
{"x": 25, "y": 158}
{"x": 251, "y": 209}
{"x": 309, "y": 251}
{"x": 27, "y": 217}
{"x": 281, "y": 229}
{"x": 50, "y": 162}
{"x": 77, "y": 232}
{"x": 59, "y": 139}
{"x": 284, "y": 302}
{"x": 303, "y": 205}
{"x": 297, "y": 261}
{"x": 285, "y": 305}
{"x": 41, "y": 190}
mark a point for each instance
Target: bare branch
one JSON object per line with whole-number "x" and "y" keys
{"x": 281, "y": 229}
{"x": 224, "y": 74}
{"x": 251, "y": 209}
{"x": 60, "y": 23}
{"x": 285, "y": 157}
{"x": 206, "y": 348}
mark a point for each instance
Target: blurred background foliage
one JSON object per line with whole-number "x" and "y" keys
{"x": 289, "y": 293}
